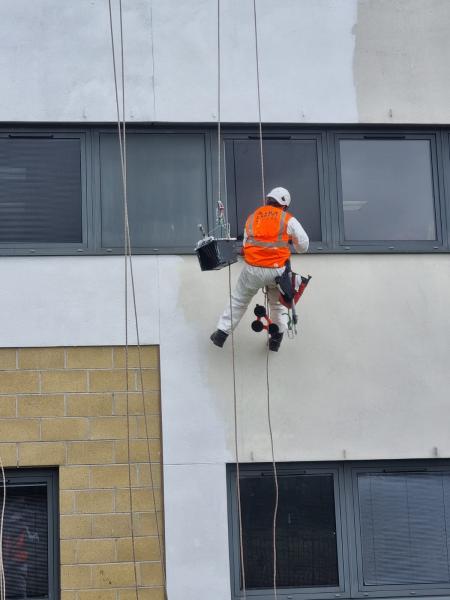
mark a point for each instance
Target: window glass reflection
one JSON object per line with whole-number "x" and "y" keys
{"x": 404, "y": 528}
{"x": 306, "y": 531}
{"x": 292, "y": 164}
{"x": 387, "y": 190}
{"x": 40, "y": 191}
{"x": 25, "y": 542}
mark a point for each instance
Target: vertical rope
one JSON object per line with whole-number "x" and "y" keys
{"x": 225, "y": 226}
{"x": 275, "y": 478}
{"x": 236, "y": 443}
{"x": 141, "y": 378}
{"x": 128, "y": 257}
{"x": 261, "y": 152}
{"x": 219, "y": 158}
{"x": 269, "y": 416}
{"x": 2, "y": 519}
{"x": 123, "y": 162}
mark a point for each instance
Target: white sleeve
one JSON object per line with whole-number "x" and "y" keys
{"x": 298, "y": 235}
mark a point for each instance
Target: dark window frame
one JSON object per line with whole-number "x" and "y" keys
{"x": 327, "y": 137}
{"x": 359, "y": 590}
{"x": 49, "y": 477}
{"x": 347, "y": 522}
{"x": 49, "y": 248}
{"x": 97, "y": 212}
{"x": 341, "y": 245}
{"x": 247, "y": 470}
{"x": 283, "y": 133}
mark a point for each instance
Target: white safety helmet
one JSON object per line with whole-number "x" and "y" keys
{"x": 280, "y": 195}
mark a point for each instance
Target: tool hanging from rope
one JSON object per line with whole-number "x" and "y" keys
{"x": 266, "y": 249}
{"x": 215, "y": 250}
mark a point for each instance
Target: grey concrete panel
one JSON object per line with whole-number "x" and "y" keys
{"x": 402, "y": 49}
{"x": 56, "y": 61}
{"x": 367, "y": 377}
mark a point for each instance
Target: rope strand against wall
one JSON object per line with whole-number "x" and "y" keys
{"x": 121, "y": 125}
{"x": 123, "y": 163}
{"x": 2, "y": 520}
{"x": 235, "y": 416}
{"x": 269, "y": 416}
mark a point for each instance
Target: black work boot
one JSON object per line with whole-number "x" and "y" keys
{"x": 219, "y": 337}
{"x": 275, "y": 341}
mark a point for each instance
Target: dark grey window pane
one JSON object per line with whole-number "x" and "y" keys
{"x": 404, "y": 525}
{"x": 306, "y": 531}
{"x": 25, "y": 541}
{"x": 292, "y": 164}
{"x": 40, "y": 191}
{"x": 166, "y": 190}
{"x": 387, "y": 190}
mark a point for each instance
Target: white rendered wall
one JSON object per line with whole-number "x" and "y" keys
{"x": 321, "y": 61}
{"x": 367, "y": 375}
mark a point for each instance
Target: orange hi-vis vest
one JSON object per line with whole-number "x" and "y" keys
{"x": 267, "y": 243}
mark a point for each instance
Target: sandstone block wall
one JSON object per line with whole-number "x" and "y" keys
{"x": 67, "y": 407}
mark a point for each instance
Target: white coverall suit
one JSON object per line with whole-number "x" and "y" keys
{"x": 254, "y": 278}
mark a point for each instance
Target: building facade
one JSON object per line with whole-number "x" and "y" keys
{"x": 355, "y": 112}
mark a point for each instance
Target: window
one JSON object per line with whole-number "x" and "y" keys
{"x": 356, "y": 189}
{"x": 404, "y": 521}
{"x": 41, "y": 191}
{"x": 306, "y": 531}
{"x": 30, "y": 534}
{"x": 167, "y": 190}
{"x": 388, "y": 191}
{"x": 292, "y": 162}
{"x": 350, "y": 529}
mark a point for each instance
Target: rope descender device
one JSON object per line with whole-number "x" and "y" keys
{"x": 263, "y": 321}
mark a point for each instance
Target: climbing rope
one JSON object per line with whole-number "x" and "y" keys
{"x": 235, "y": 416}
{"x": 269, "y": 416}
{"x": 123, "y": 163}
{"x": 236, "y": 446}
{"x": 2, "y": 519}
{"x": 121, "y": 125}
{"x": 258, "y": 90}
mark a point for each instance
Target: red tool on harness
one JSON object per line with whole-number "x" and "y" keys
{"x": 298, "y": 284}
{"x": 291, "y": 287}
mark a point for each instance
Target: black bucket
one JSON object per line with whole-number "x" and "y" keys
{"x": 216, "y": 254}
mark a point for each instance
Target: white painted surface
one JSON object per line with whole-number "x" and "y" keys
{"x": 368, "y": 373}
{"x": 401, "y": 52}
{"x": 56, "y": 60}
{"x": 196, "y": 546}
{"x": 321, "y": 61}
{"x": 73, "y": 301}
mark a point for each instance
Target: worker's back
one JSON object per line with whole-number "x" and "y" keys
{"x": 267, "y": 242}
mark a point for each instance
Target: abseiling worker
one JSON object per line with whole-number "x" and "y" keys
{"x": 268, "y": 233}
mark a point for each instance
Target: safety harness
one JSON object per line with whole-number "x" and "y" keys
{"x": 291, "y": 287}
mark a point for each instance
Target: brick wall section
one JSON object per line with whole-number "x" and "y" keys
{"x": 67, "y": 407}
